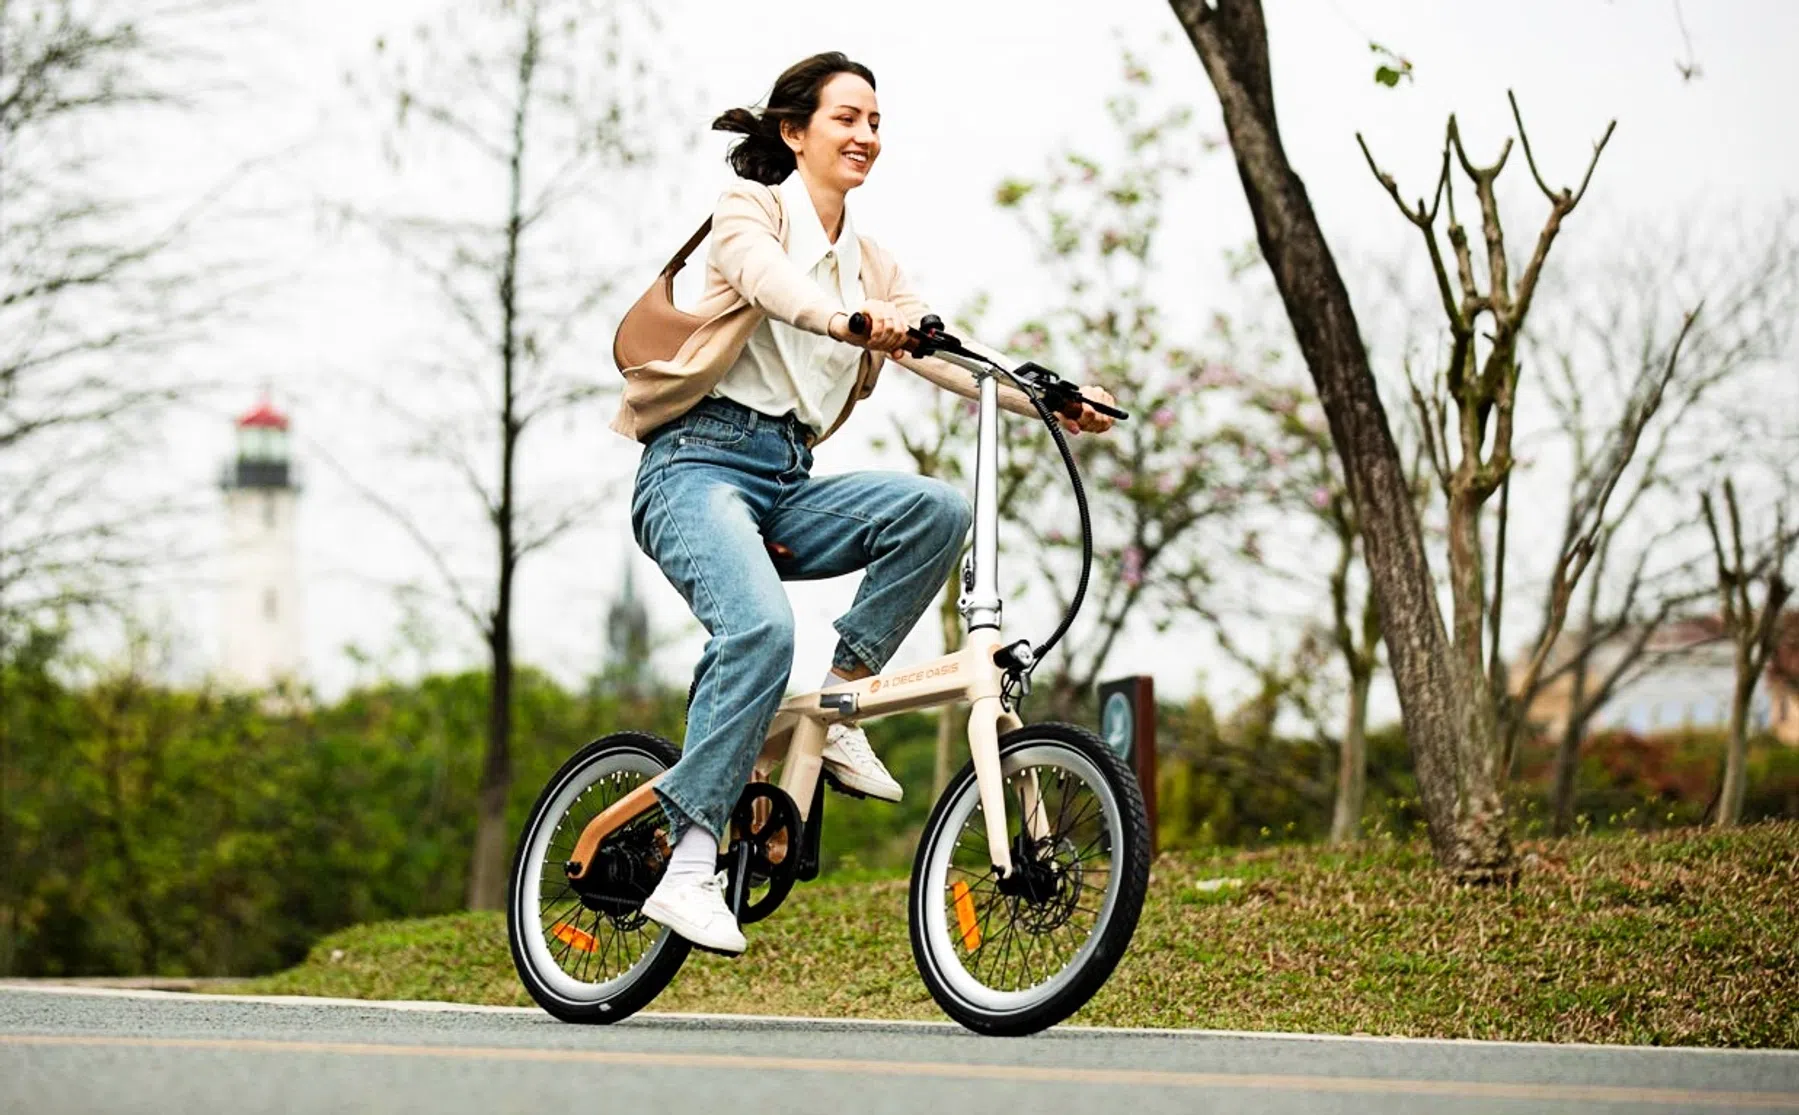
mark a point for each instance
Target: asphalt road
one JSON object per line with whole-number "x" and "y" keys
{"x": 133, "y": 1051}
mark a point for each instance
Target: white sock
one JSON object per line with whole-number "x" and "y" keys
{"x": 694, "y": 856}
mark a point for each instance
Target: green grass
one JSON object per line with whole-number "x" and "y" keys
{"x": 1682, "y": 937}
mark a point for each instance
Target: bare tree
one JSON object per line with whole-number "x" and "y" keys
{"x": 1753, "y": 629}
{"x": 96, "y": 280}
{"x": 1602, "y": 367}
{"x": 1477, "y": 463}
{"x": 535, "y": 100}
{"x": 1448, "y": 721}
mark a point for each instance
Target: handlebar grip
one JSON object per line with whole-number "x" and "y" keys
{"x": 859, "y": 323}
{"x": 1071, "y": 408}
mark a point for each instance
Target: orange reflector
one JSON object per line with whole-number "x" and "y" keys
{"x": 577, "y": 939}
{"x": 971, "y": 930}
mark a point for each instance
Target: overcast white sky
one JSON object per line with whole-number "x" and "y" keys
{"x": 971, "y": 93}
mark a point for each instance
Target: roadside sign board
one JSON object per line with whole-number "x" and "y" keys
{"x": 1127, "y": 723}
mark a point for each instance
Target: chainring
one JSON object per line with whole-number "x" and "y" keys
{"x": 767, "y": 822}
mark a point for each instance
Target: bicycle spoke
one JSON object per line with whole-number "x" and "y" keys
{"x": 581, "y": 965}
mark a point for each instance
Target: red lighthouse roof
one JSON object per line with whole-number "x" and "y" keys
{"x": 264, "y": 416}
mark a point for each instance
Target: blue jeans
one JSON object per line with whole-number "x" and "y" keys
{"x": 714, "y": 486}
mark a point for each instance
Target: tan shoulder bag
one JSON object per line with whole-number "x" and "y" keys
{"x": 653, "y": 329}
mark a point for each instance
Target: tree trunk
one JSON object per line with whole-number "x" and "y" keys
{"x": 1452, "y": 743}
{"x": 487, "y": 873}
{"x": 1567, "y": 752}
{"x": 1352, "y": 763}
{"x": 1736, "y": 753}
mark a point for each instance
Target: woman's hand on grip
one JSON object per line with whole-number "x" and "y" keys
{"x": 886, "y": 327}
{"x": 1091, "y": 421}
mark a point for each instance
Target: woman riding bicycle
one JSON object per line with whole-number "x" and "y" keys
{"x": 724, "y": 501}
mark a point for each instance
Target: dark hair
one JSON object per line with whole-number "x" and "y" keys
{"x": 762, "y": 155}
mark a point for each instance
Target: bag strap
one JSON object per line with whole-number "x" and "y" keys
{"x": 693, "y": 242}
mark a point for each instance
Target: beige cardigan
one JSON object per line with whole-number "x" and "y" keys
{"x": 749, "y": 275}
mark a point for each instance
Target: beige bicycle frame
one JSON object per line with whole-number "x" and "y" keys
{"x": 797, "y": 733}
{"x": 796, "y": 740}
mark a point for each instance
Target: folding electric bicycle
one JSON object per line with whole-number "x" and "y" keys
{"x": 1030, "y": 872}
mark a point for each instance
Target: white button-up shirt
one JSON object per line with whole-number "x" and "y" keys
{"x": 783, "y": 369}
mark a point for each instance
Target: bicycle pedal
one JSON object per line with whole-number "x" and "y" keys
{"x": 832, "y": 781}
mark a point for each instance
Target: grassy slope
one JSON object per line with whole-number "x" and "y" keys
{"x": 1679, "y": 938}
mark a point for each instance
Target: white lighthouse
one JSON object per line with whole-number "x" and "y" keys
{"x": 260, "y": 617}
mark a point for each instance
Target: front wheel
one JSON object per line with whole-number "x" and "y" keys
{"x": 588, "y": 954}
{"x": 1016, "y": 955}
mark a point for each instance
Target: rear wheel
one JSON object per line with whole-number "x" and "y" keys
{"x": 586, "y": 953}
{"x": 1015, "y": 955}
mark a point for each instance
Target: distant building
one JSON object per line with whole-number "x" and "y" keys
{"x": 260, "y": 632}
{"x": 627, "y": 667}
{"x": 1688, "y": 675}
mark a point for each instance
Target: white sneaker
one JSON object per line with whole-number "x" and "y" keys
{"x": 695, "y": 908}
{"x": 848, "y": 758}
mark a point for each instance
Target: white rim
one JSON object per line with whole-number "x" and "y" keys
{"x": 938, "y": 939}
{"x": 529, "y": 914}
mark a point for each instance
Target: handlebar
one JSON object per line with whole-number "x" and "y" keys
{"x": 1063, "y": 397}
{"x": 1050, "y": 395}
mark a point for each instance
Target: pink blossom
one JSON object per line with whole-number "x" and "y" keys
{"x": 1132, "y": 573}
{"x": 1277, "y": 458}
{"x": 1055, "y": 537}
{"x": 1123, "y": 481}
{"x": 1163, "y": 418}
{"x": 1217, "y": 375}
{"x": 1321, "y": 498}
{"x": 1167, "y": 483}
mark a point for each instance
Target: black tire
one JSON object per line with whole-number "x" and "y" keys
{"x": 1120, "y": 837}
{"x": 537, "y": 868}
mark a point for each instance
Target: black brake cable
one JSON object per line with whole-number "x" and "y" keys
{"x": 1080, "y": 502}
{"x": 1018, "y": 667}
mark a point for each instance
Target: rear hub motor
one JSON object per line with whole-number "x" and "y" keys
{"x": 625, "y": 869}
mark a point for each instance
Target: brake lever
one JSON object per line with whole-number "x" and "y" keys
{"x": 1062, "y": 396}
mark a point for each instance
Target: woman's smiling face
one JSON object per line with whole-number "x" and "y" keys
{"x": 842, "y": 140}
